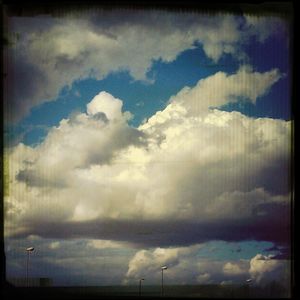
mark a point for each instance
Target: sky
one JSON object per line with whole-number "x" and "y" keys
{"x": 141, "y": 138}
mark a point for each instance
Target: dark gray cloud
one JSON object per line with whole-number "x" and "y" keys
{"x": 273, "y": 225}
{"x": 71, "y": 262}
{"x": 26, "y": 85}
{"x": 35, "y": 179}
{"x": 281, "y": 252}
{"x": 100, "y": 116}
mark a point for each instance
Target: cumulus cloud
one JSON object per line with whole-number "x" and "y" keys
{"x": 185, "y": 176}
{"x": 185, "y": 266}
{"x": 230, "y": 88}
{"x": 147, "y": 262}
{"x": 265, "y": 269}
{"x": 50, "y": 54}
{"x": 79, "y": 142}
{"x": 107, "y": 104}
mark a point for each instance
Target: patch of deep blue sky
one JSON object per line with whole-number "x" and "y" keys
{"x": 143, "y": 99}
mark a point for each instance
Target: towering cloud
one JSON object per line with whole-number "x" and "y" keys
{"x": 185, "y": 176}
{"x": 106, "y": 104}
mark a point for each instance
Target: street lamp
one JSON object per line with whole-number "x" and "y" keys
{"x": 30, "y": 249}
{"x": 140, "y": 286}
{"x": 248, "y": 289}
{"x": 162, "y": 279}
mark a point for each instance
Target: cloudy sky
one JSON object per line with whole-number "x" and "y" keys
{"x": 141, "y": 138}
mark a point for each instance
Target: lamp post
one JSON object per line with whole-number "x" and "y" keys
{"x": 28, "y": 250}
{"x": 162, "y": 279}
{"x": 140, "y": 286}
{"x": 248, "y": 284}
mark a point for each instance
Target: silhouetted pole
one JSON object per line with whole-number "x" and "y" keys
{"x": 28, "y": 250}
{"x": 140, "y": 286}
{"x": 248, "y": 283}
{"x": 162, "y": 279}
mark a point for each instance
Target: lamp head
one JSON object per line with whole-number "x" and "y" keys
{"x": 30, "y": 249}
{"x": 164, "y": 268}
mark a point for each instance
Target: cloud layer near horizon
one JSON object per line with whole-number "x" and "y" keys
{"x": 49, "y": 53}
{"x": 104, "y": 262}
{"x": 185, "y": 267}
{"x": 188, "y": 174}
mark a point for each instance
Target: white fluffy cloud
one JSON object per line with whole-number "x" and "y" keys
{"x": 54, "y": 52}
{"x": 107, "y": 104}
{"x": 185, "y": 266}
{"x": 227, "y": 88}
{"x": 265, "y": 269}
{"x": 207, "y": 167}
